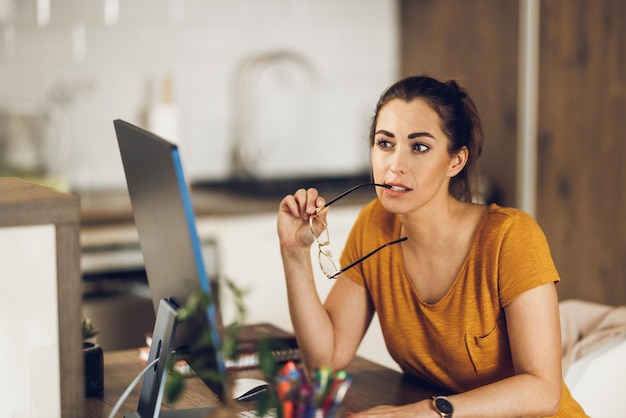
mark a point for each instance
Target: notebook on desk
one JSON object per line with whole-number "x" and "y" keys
{"x": 283, "y": 346}
{"x": 169, "y": 241}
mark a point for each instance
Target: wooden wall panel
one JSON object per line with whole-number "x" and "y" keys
{"x": 581, "y": 170}
{"x": 581, "y": 200}
{"x": 474, "y": 42}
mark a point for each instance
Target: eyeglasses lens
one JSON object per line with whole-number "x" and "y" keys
{"x": 319, "y": 230}
{"x": 326, "y": 262}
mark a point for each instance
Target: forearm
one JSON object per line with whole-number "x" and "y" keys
{"x": 518, "y": 396}
{"x": 311, "y": 322}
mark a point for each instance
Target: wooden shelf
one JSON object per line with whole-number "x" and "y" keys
{"x": 27, "y": 204}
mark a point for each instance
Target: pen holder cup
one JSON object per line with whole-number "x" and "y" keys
{"x": 320, "y": 396}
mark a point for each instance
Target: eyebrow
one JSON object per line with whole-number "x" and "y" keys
{"x": 411, "y": 136}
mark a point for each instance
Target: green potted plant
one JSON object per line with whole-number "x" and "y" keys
{"x": 288, "y": 386}
{"x": 268, "y": 365}
{"x": 94, "y": 360}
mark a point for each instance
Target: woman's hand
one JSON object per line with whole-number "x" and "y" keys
{"x": 311, "y": 321}
{"x": 421, "y": 409}
{"x": 293, "y": 218}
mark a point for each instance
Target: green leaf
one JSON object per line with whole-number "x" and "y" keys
{"x": 267, "y": 361}
{"x": 174, "y": 387}
{"x": 89, "y": 330}
{"x": 264, "y": 403}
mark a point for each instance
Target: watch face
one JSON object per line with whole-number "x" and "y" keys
{"x": 443, "y": 405}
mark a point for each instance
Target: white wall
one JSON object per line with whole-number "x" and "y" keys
{"x": 92, "y": 73}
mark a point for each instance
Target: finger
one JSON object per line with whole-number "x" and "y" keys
{"x": 301, "y": 197}
{"x": 314, "y": 201}
{"x": 320, "y": 202}
{"x": 289, "y": 203}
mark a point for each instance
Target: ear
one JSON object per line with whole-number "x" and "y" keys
{"x": 458, "y": 161}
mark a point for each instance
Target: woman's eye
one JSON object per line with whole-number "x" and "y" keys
{"x": 383, "y": 143}
{"x": 417, "y": 147}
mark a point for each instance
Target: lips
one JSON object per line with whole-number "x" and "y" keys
{"x": 398, "y": 187}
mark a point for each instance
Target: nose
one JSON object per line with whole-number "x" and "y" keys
{"x": 398, "y": 164}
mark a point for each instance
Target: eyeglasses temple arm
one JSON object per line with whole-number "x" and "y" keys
{"x": 330, "y": 202}
{"x": 366, "y": 256}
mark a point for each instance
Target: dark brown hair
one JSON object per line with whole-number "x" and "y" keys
{"x": 459, "y": 118}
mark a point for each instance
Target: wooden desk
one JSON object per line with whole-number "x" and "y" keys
{"x": 373, "y": 385}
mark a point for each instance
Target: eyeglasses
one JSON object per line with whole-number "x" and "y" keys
{"x": 319, "y": 230}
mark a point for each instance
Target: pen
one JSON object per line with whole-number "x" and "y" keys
{"x": 329, "y": 398}
{"x": 290, "y": 385}
{"x": 336, "y": 383}
{"x": 322, "y": 377}
{"x": 289, "y": 370}
{"x": 304, "y": 399}
{"x": 284, "y": 394}
{"x": 338, "y": 396}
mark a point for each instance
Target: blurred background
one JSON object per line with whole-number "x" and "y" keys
{"x": 257, "y": 79}
{"x": 265, "y": 96}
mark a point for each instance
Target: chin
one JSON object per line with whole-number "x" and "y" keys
{"x": 394, "y": 207}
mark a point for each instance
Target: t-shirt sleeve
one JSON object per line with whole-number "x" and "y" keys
{"x": 524, "y": 260}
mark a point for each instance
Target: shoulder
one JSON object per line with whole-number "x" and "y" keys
{"x": 512, "y": 228}
{"x": 509, "y": 218}
{"x": 503, "y": 213}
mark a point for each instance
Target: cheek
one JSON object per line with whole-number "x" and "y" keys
{"x": 378, "y": 157}
{"x": 377, "y": 164}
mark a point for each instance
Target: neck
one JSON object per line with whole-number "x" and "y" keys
{"x": 433, "y": 226}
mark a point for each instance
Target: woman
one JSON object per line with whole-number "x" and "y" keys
{"x": 467, "y": 302}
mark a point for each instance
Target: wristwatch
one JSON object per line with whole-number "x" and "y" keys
{"x": 443, "y": 406}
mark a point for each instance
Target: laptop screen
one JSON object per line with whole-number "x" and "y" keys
{"x": 169, "y": 241}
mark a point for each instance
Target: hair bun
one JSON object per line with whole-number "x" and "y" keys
{"x": 458, "y": 91}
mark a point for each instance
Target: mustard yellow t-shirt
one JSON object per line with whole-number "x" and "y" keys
{"x": 460, "y": 342}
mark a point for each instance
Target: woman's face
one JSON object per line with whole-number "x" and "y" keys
{"x": 410, "y": 153}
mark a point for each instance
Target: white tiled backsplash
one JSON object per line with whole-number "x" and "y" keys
{"x": 300, "y": 115}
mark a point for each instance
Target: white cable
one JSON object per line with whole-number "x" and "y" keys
{"x": 130, "y": 387}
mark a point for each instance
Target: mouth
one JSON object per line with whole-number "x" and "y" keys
{"x": 397, "y": 188}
